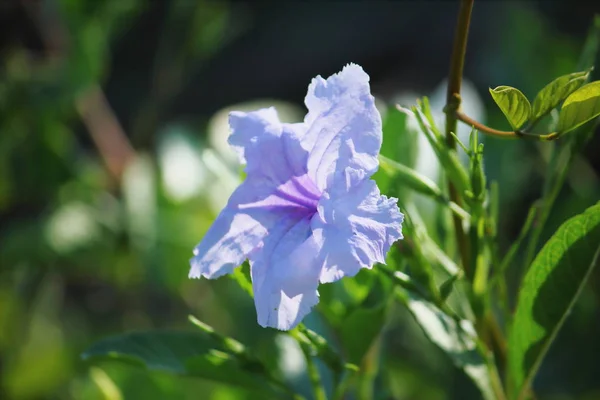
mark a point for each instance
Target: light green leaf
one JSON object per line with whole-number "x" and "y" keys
{"x": 556, "y": 91}
{"x": 241, "y": 275}
{"x": 411, "y": 178}
{"x": 456, "y": 338}
{"x": 548, "y": 293}
{"x": 449, "y": 160}
{"x": 580, "y": 107}
{"x": 400, "y": 136}
{"x": 180, "y": 353}
{"x": 513, "y": 104}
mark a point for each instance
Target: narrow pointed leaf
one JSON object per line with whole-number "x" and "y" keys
{"x": 179, "y": 353}
{"x": 580, "y": 107}
{"x": 548, "y": 293}
{"x": 513, "y": 104}
{"x": 411, "y": 178}
{"x": 556, "y": 91}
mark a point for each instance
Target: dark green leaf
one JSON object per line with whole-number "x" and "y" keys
{"x": 455, "y": 338}
{"x": 339, "y": 299}
{"x": 179, "y": 353}
{"x": 556, "y": 91}
{"x": 360, "y": 329}
{"x": 580, "y": 107}
{"x": 320, "y": 347}
{"x": 548, "y": 292}
{"x": 513, "y": 103}
{"x": 362, "y": 325}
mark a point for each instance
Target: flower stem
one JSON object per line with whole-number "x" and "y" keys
{"x": 452, "y": 105}
{"x": 313, "y": 373}
{"x": 342, "y": 385}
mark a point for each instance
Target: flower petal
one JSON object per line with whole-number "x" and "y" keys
{"x": 358, "y": 225}
{"x": 270, "y": 149}
{"x": 276, "y": 187}
{"x": 285, "y": 274}
{"x": 344, "y": 126}
{"x": 226, "y": 244}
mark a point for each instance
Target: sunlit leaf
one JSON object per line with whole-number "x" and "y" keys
{"x": 404, "y": 175}
{"x": 549, "y": 291}
{"x": 513, "y": 104}
{"x": 580, "y": 107}
{"x": 400, "y": 136}
{"x": 556, "y": 91}
{"x": 179, "y": 353}
{"x": 242, "y": 276}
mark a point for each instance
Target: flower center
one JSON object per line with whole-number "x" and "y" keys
{"x": 300, "y": 191}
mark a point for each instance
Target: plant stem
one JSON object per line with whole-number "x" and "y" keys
{"x": 452, "y": 105}
{"x": 503, "y": 134}
{"x": 368, "y": 371}
{"x": 313, "y": 373}
{"x": 342, "y": 385}
{"x": 496, "y": 382}
{"x": 453, "y": 101}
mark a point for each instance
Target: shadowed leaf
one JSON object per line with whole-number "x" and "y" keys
{"x": 548, "y": 293}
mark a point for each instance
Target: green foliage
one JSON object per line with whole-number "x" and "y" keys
{"x": 548, "y": 292}
{"x": 513, "y": 103}
{"x": 400, "y": 135}
{"x": 403, "y": 175}
{"x": 362, "y": 326}
{"x": 241, "y": 275}
{"x": 84, "y": 254}
{"x": 580, "y": 107}
{"x": 448, "y": 158}
{"x": 399, "y": 145}
{"x": 555, "y": 92}
{"x": 456, "y": 338}
{"x": 183, "y": 354}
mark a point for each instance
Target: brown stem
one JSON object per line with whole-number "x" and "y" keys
{"x": 105, "y": 130}
{"x": 452, "y": 105}
{"x": 502, "y": 134}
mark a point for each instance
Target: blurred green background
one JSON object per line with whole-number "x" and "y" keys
{"x": 113, "y": 162}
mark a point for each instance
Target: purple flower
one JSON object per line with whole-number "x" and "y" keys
{"x": 308, "y": 211}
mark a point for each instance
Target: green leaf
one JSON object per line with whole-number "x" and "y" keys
{"x": 411, "y": 178}
{"x": 179, "y": 353}
{"x": 548, "y": 293}
{"x": 363, "y": 324}
{"x": 456, "y": 338}
{"x": 580, "y": 107}
{"x": 556, "y": 91}
{"x": 400, "y": 141}
{"x": 360, "y": 329}
{"x": 241, "y": 275}
{"x": 513, "y": 104}
{"x": 400, "y": 136}
{"x": 319, "y": 346}
{"x": 449, "y": 160}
